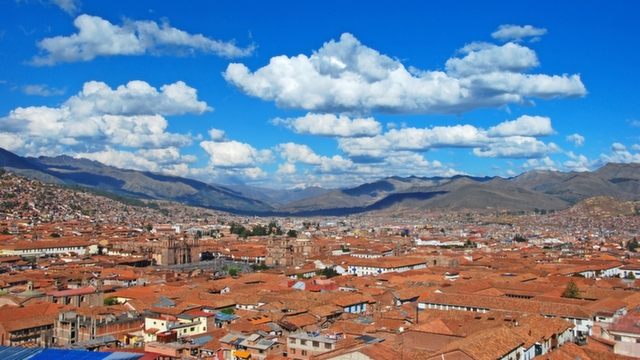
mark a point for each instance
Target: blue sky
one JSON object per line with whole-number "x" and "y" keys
{"x": 334, "y": 94}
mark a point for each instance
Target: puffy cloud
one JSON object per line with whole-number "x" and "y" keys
{"x": 286, "y": 168}
{"x": 577, "y": 139}
{"x": 517, "y": 147}
{"x": 100, "y": 117}
{"x": 577, "y": 162}
{"x": 516, "y": 33}
{"x": 218, "y": 135}
{"x": 346, "y": 76}
{"x": 137, "y": 98}
{"x": 167, "y": 160}
{"x": 483, "y": 58}
{"x": 617, "y": 147}
{"x": 336, "y": 165}
{"x": 635, "y": 147}
{"x": 71, "y": 7}
{"x": 98, "y": 37}
{"x": 525, "y": 125}
{"x": 296, "y": 153}
{"x": 619, "y": 154}
{"x": 42, "y": 90}
{"x": 166, "y": 156}
{"x": 121, "y": 159}
{"x": 540, "y": 164}
{"x": 330, "y": 125}
{"x": 510, "y": 139}
{"x": 231, "y": 154}
{"x": 338, "y": 172}
{"x": 254, "y": 173}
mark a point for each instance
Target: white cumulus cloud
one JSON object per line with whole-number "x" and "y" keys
{"x": 483, "y": 58}
{"x": 42, "y": 90}
{"x": 525, "y": 125}
{"x": 330, "y": 125}
{"x": 577, "y": 162}
{"x": 516, "y": 32}
{"x": 577, "y": 139}
{"x": 346, "y": 76}
{"x": 71, "y": 7}
{"x": 218, "y": 135}
{"x": 510, "y": 139}
{"x": 234, "y": 154}
{"x": 98, "y": 37}
{"x": 517, "y": 147}
{"x": 298, "y": 153}
{"x": 99, "y": 117}
{"x": 619, "y": 154}
{"x": 540, "y": 164}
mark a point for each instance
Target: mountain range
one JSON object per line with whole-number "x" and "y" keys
{"x": 541, "y": 189}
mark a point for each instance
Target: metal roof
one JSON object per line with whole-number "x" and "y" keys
{"x": 20, "y": 353}
{"x": 225, "y": 317}
{"x": 17, "y": 353}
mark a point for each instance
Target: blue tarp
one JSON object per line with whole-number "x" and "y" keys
{"x": 17, "y": 353}
{"x": 20, "y": 353}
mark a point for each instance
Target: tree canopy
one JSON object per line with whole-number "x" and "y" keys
{"x": 571, "y": 291}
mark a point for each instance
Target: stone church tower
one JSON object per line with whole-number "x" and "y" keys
{"x": 278, "y": 251}
{"x": 175, "y": 252}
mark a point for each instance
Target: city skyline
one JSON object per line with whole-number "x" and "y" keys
{"x": 295, "y": 95}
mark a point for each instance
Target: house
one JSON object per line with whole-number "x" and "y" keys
{"x": 501, "y": 343}
{"x": 183, "y": 325}
{"x": 71, "y": 327}
{"x": 303, "y": 345}
{"x": 253, "y": 346}
{"x": 626, "y": 333}
{"x": 580, "y": 316}
{"x": 29, "y": 324}
{"x": 360, "y": 267}
{"x": 355, "y": 304}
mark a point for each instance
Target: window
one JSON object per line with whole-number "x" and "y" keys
{"x": 617, "y": 337}
{"x": 316, "y": 344}
{"x": 192, "y": 329}
{"x": 304, "y": 352}
{"x": 327, "y": 345}
{"x": 303, "y": 342}
{"x": 292, "y": 341}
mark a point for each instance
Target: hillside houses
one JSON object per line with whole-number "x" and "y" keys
{"x": 364, "y": 286}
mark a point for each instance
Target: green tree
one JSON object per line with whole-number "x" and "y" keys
{"x": 292, "y": 233}
{"x": 233, "y": 272}
{"x": 228, "y": 311}
{"x": 149, "y": 227}
{"x": 631, "y": 275}
{"x": 519, "y": 238}
{"x": 258, "y": 230}
{"x": 633, "y": 245}
{"x": 328, "y": 272}
{"x": 110, "y": 300}
{"x": 571, "y": 291}
{"x": 273, "y": 228}
{"x": 237, "y": 229}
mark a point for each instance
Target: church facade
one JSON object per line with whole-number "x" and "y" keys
{"x": 174, "y": 251}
